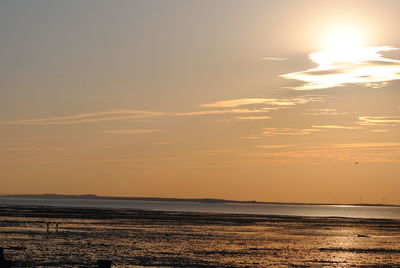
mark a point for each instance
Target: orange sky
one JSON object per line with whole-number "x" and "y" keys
{"x": 246, "y": 100}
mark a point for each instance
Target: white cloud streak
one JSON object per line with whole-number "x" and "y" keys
{"x": 364, "y": 66}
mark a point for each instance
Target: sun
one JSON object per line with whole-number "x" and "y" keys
{"x": 342, "y": 43}
{"x": 347, "y": 58}
{"x": 343, "y": 37}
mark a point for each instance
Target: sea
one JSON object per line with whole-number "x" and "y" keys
{"x": 311, "y": 210}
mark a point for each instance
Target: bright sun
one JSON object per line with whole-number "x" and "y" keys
{"x": 341, "y": 43}
{"x": 346, "y": 58}
{"x": 343, "y": 37}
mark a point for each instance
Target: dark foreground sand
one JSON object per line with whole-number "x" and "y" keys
{"x": 132, "y": 238}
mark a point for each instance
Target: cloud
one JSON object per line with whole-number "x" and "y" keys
{"x": 272, "y": 131}
{"x": 132, "y": 131}
{"x": 230, "y": 111}
{"x": 86, "y": 118}
{"x": 367, "y": 145}
{"x": 324, "y": 111}
{"x": 284, "y": 131}
{"x": 378, "y": 120}
{"x": 253, "y": 137}
{"x": 364, "y": 66}
{"x": 274, "y": 146}
{"x": 250, "y": 118}
{"x": 335, "y": 127}
{"x": 234, "y": 103}
{"x": 379, "y": 130}
{"x": 216, "y": 151}
{"x": 234, "y": 106}
{"x": 311, "y": 129}
{"x": 273, "y": 102}
{"x": 30, "y": 149}
{"x": 273, "y": 59}
{"x": 351, "y": 152}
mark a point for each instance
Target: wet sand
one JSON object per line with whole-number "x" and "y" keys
{"x": 134, "y": 238}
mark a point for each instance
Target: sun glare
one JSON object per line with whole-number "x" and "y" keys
{"x": 343, "y": 37}
{"x": 340, "y": 43}
{"x": 346, "y": 58}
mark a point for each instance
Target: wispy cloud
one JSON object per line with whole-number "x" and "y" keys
{"x": 312, "y": 130}
{"x": 358, "y": 66}
{"x": 228, "y": 111}
{"x": 378, "y": 120}
{"x": 274, "y": 131}
{"x": 351, "y": 152}
{"x": 30, "y": 149}
{"x": 273, "y": 59}
{"x": 273, "y": 102}
{"x": 250, "y": 118}
{"x": 251, "y": 137}
{"x": 234, "y": 103}
{"x": 274, "y": 146}
{"x": 336, "y": 127}
{"x": 284, "y": 131}
{"x": 324, "y": 111}
{"x": 132, "y": 131}
{"x": 366, "y": 145}
{"x": 379, "y": 130}
{"x": 86, "y": 118}
{"x": 215, "y": 151}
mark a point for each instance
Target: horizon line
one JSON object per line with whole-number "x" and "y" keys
{"x": 180, "y": 199}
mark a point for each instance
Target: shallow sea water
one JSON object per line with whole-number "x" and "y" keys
{"x": 312, "y": 210}
{"x": 132, "y": 238}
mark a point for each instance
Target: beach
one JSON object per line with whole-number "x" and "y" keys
{"x": 144, "y": 238}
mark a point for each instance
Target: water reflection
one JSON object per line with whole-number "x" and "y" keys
{"x": 379, "y": 212}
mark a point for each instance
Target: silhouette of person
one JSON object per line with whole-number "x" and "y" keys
{"x": 47, "y": 226}
{"x": 57, "y": 224}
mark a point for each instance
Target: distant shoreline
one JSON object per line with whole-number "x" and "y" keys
{"x": 165, "y": 199}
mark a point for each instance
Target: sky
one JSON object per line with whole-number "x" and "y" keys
{"x": 285, "y": 101}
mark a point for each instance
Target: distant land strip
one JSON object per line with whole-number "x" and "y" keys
{"x": 166, "y": 199}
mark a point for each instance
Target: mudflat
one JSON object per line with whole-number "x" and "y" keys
{"x": 79, "y": 237}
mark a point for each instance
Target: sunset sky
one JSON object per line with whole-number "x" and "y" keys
{"x": 246, "y": 100}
